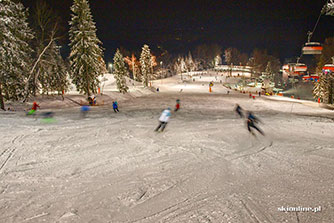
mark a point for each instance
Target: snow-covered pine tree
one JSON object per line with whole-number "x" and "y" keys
{"x": 15, "y": 51}
{"x": 58, "y": 78}
{"x": 320, "y": 89}
{"x": 146, "y": 64}
{"x": 183, "y": 65}
{"x": 190, "y": 64}
{"x": 120, "y": 72}
{"x": 323, "y": 88}
{"x": 86, "y": 58}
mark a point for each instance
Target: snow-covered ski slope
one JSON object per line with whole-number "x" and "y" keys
{"x": 205, "y": 167}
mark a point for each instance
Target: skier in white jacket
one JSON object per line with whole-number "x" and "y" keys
{"x": 164, "y": 118}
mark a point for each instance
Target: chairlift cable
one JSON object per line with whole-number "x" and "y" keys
{"x": 316, "y": 24}
{"x": 310, "y": 34}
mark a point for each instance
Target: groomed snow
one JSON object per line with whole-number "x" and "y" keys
{"x": 205, "y": 167}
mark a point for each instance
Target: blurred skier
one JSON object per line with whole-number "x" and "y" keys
{"x": 239, "y": 110}
{"x": 251, "y": 121}
{"x": 115, "y": 106}
{"x": 84, "y": 111}
{"x": 34, "y": 108}
{"x": 177, "y": 106}
{"x": 164, "y": 118}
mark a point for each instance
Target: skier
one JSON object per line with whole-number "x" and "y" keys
{"x": 238, "y": 110}
{"x": 251, "y": 121}
{"x": 84, "y": 111}
{"x": 115, "y": 106}
{"x": 177, "y": 106}
{"x": 34, "y": 108}
{"x": 164, "y": 118}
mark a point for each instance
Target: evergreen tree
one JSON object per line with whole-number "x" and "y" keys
{"x": 15, "y": 51}
{"x": 146, "y": 65}
{"x": 190, "y": 64}
{"x": 58, "y": 71}
{"x": 86, "y": 58}
{"x": 120, "y": 72}
{"x": 183, "y": 65}
{"x": 323, "y": 88}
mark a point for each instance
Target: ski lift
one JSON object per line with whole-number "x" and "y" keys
{"x": 328, "y": 68}
{"x": 312, "y": 48}
{"x": 296, "y": 69}
{"x": 299, "y": 68}
{"x": 308, "y": 78}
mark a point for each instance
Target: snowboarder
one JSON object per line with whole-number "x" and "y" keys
{"x": 115, "y": 106}
{"x": 164, "y": 118}
{"x": 177, "y": 106}
{"x": 238, "y": 110}
{"x": 251, "y": 121}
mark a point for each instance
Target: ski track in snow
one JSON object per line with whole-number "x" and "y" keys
{"x": 205, "y": 167}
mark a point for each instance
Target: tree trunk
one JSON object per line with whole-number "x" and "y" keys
{"x": 88, "y": 91}
{"x": 2, "y": 103}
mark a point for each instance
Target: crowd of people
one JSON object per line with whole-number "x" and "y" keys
{"x": 251, "y": 119}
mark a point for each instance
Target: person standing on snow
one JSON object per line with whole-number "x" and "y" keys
{"x": 164, "y": 118}
{"x": 115, "y": 106}
{"x": 177, "y": 106}
{"x": 251, "y": 120}
{"x": 238, "y": 110}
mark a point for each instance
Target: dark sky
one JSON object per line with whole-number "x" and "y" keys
{"x": 280, "y": 26}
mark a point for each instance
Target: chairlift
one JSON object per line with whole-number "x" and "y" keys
{"x": 297, "y": 69}
{"x": 312, "y": 48}
{"x": 328, "y": 68}
{"x": 308, "y": 78}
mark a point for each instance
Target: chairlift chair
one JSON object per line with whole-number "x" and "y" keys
{"x": 312, "y": 48}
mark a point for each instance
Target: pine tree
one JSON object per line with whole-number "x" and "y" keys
{"x": 323, "y": 88}
{"x": 86, "y": 58}
{"x": 120, "y": 72}
{"x": 146, "y": 65}
{"x": 183, "y": 65}
{"x": 190, "y": 64}
{"x": 58, "y": 75}
{"x": 320, "y": 88}
{"x": 15, "y": 51}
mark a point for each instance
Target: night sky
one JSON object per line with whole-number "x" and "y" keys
{"x": 280, "y": 26}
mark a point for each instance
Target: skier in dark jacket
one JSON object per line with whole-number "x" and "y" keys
{"x": 115, "y": 106}
{"x": 238, "y": 110}
{"x": 251, "y": 121}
